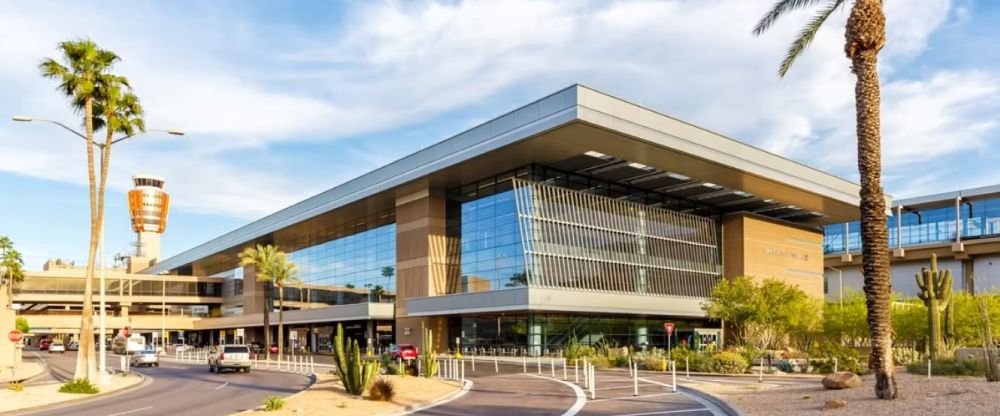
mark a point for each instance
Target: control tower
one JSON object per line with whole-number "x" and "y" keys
{"x": 147, "y": 205}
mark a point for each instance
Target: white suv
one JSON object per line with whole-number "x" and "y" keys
{"x": 236, "y": 357}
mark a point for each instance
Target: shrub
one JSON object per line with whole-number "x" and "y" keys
{"x": 599, "y": 361}
{"x": 654, "y": 363}
{"x": 906, "y": 355}
{"x": 273, "y": 403}
{"x": 785, "y": 366}
{"x": 15, "y": 386}
{"x": 696, "y": 360}
{"x": 79, "y": 386}
{"x": 949, "y": 367}
{"x": 620, "y": 361}
{"x": 382, "y": 390}
{"x": 728, "y": 362}
{"x": 749, "y": 353}
{"x": 393, "y": 370}
{"x": 847, "y": 359}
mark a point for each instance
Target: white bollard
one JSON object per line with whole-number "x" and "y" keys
{"x": 928, "y": 368}
{"x": 760, "y": 375}
{"x": 593, "y": 383}
{"x": 539, "y": 361}
{"x": 835, "y": 363}
{"x": 687, "y": 371}
{"x": 312, "y": 365}
{"x": 496, "y": 365}
{"x": 576, "y": 370}
{"x": 673, "y": 374}
{"x": 586, "y": 374}
{"x": 473, "y": 364}
{"x": 635, "y": 381}
{"x": 552, "y": 367}
{"x": 524, "y": 363}
{"x": 462, "y": 373}
{"x": 630, "y": 374}
{"x": 564, "y": 369}
{"x": 418, "y": 367}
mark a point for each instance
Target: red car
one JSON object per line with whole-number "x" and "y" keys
{"x": 403, "y": 351}
{"x": 44, "y": 344}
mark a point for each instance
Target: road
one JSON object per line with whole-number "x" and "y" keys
{"x": 173, "y": 389}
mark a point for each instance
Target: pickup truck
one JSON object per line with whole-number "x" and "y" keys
{"x": 236, "y": 357}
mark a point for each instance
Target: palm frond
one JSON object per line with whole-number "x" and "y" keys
{"x": 806, "y": 36}
{"x": 780, "y": 9}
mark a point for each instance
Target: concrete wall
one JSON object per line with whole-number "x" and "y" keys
{"x": 766, "y": 248}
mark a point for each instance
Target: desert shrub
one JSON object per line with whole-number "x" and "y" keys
{"x": 847, "y": 359}
{"x": 273, "y": 403}
{"x": 653, "y": 363}
{"x": 574, "y": 350}
{"x": 393, "y": 370}
{"x": 600, "y": 361}
{"x": 620, "y": 361}
{"x": 382, "y": 390}
{"x": 15, "y": 386}
{"x": 786, "y": 366}
{"x": 949, "y": 367}
{"x": 79, "y": 386}
{"x": 906, "y": 355}
{"x": 728, "y": 362}
{"x": 749, "y": 352}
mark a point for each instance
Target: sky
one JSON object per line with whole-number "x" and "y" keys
{"x": 282, "y": 100}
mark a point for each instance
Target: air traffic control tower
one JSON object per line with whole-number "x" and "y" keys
{"x": 148, "y": 205}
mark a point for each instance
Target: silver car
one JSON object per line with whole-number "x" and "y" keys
{"x": 146, "y": 358}
{"x": 57, "y": 347}
{"x": 236, "y": 357}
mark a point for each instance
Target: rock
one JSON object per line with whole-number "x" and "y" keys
{"x": 841, "y": 380}
{"x": 834, "y": 404}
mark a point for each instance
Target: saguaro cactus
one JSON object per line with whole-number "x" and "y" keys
{"x": 935, "y": 291}
{"x": 428, "y": 356}
{"x": 355, "y": 374}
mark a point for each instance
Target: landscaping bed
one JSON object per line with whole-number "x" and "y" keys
{"x": 327, "y": 396}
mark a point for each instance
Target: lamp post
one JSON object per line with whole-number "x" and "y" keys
{"x": 102, "y": 336}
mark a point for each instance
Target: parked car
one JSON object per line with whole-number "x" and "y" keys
{"x": 274, "y": 348}
{"x": 44, "y": 343}
{"x": 73, "y": 346}
{"x": 57, "y": 346}
{"x": 403, "y": 351}
{"x": 236, "y": 357}
{"x": 146, "y": 358}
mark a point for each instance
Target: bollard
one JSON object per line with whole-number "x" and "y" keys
{"x": 539, "y": 361}
{"x": 552, "y": 367}
{"x": 312, "y": 365}
{"x": 576, "y": 370}
{"x": 496, "y": 365}
{"x": 564, "y": 369}
{"x": 524, "y": 363}
{"x": 419, "y": 372}
{"x": 267, "y": 362}
{"x": 593, "y": 384}
{"x": 928, "y": 368}
{"x": 673, "y": 374}
{"x": 760, "y": 375}
{"x": 835, "y": 363}
{"x": 462, "y": 373}
{"x": 473, "y": 364}
{"x": 635, "y": 381}
{"x": 630, "y": 374}
{"x": 687, "y": 371}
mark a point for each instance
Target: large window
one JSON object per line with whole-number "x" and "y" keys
{"x": 63, "y": 285}
{"x": 491, "y": 253}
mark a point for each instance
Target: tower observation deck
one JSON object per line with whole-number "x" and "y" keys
{"x": 148, "y": 205}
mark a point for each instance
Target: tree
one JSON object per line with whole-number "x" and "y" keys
{"x": 84, "y": 78}
{"x": 762, "y": 314}
{"x": 272, "y": 266}
{"x": 21, "y": 324}
{"x": 11, "y": 263}
{"x": 864, "y": 38}
{"x": 259, "y": 257}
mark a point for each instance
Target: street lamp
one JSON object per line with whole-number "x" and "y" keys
{"x": 102, "y": 337}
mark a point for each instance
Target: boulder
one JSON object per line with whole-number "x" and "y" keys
{"x": 834, "y": 404}
{"x": 841, "y": 380}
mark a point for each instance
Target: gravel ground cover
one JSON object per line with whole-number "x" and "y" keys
{"x": 918, "y": 396}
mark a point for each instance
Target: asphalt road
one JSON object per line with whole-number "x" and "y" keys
{"x": 173, "y": 389}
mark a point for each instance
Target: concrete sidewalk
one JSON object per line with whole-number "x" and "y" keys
{"x": 22, "y": 372}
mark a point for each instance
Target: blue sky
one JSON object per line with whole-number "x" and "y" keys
{"x": 281, "y": 100}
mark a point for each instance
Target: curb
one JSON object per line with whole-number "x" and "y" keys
{"x": 711, "y": 401}
{"x": 144, "y": 381}
{"x": 312, "y": 382}
{"x": 466, "y": 387}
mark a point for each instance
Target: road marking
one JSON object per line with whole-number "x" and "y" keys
{"x": 581, "y": 397}
{"x": 667, "y": 412}
{"x": 224, "y": 385}
{"x": 132, "y": 411}
{"x": 632, "y": 397}
{"x": 465, "y": 389}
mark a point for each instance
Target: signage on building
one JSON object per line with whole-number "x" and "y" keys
{"x": 15, "y": 336}
{"x": 785, "y": 253}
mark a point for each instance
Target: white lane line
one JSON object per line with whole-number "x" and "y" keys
{"x": 465, "y": 389}
{"x": 581, "y": 397}
{"x": 667, "y": 412}
{"x": 131, "y": 411}
{"x": 632, "y": 397}
{"x": 224, "y": 385}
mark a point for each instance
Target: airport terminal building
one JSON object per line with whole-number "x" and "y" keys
{"x": 580, "y": 214}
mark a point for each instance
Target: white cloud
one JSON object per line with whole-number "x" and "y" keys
{"x": 236, "y": 85}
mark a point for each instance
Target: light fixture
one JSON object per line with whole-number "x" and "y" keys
{"x": 640, "y": 166}
{"x": 175, "y": 132}
{"x": 598, "y": 155}
{"x": 678, "y": 176}
{"x": 741, "y": 193}
{"x": 710, "y": 185}
{"x": 21, "y": 118}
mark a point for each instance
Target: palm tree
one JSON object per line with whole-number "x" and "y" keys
{"x": 80, "y": 79}
{"x": 11, "y": 266}
{"x": 261, "y": 257}
{"x": 864, "y": 38}
{"x": 272, "y": 266}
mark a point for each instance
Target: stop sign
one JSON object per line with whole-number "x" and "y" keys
{"x": 15, "y": 336}
{"x": 669, "y": 327}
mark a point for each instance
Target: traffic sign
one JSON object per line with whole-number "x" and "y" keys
{"x": 293, "y": 335}
{"x": 15, "y": 336}
{"x": 669, "y": 327}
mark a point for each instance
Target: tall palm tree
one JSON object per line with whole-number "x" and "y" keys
{"x": 864, "y": 38}
{"x": 261, "y": 257}
{"x": 11, "y": 266}
{"x": 84, "y": 65}
{"x": 283, "y": 272}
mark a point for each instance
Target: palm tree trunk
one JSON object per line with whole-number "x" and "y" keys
{"x": 865, "y": 37}
{"x": 267, "y": 319}
{"x": 281, "y": 319}
{"x": 85, "y": 367}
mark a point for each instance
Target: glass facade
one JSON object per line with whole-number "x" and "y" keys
{"x": 549, "y": 333}
{"x": 64, "y": 285}
{"x": 979, "y": 218}
{"x": 545, "y": 228}
{"x": 353, "y": 268}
